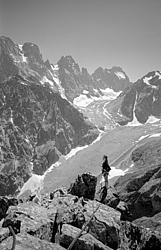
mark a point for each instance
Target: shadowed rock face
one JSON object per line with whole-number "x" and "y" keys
{"x": 141, "y": 100}
{"x": 37, "y": 125}
{"x": 134, "y": 237}
{"x": 140, "y": 189}
{"x": 84, "y": 186}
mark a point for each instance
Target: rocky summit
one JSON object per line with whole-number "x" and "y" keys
{"x": 59, "y": 220}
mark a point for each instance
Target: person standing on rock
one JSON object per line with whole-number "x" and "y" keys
{"x": 105, "y": 170}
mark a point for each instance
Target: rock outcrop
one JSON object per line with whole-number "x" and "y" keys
{"x": 84, "y": 186}
{"x": 134, "y": 237}
{"x": 86, "y": 241}
{"x": 140, "y": 188}
{"x": 54, "y": 224}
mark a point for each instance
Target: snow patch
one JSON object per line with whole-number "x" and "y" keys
{"x": 134, "y": 122}
{"x": 55, "y": 165}
{"x": 55, "y": 67}
{"x": 155, "y": 135}
{"x": 46, "y": 80}
{"x": 23, "y": 83}
{"x": 127, "y": 169}
{"x": 24, "y": 58}
{"x": 55, "y": 77}
{"x": 110, "y": 93}
{"x": 74, "y": 151}
{"x": 157, "y": 73}
{"x": 142, "y": 137}
{"x": 11, "y": 118}
{"x": 96, "y": 91}
{"x": 20, "y": 46}
{"x": 120, "y": 75}
{"x": 152, "y": 119}
{"x": 85, "y": 92}
{"x": 147, "y": 79}
{"x": 83, "y": 101}
{"x": 116, "y": 172}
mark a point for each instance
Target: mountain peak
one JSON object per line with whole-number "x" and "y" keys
{"x": 32, "y": 50}
{"x": 69, "y": 63}
{"x": 7, "y": 46}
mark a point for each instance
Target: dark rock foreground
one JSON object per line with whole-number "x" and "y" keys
{"x": 54, "y": 221}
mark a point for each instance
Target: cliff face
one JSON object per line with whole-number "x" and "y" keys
{"x": 37, "y": 124}
{"x": 140, "y": 188}
{"x": 139, "y": 101}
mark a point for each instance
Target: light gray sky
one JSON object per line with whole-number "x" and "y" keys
{"x": 105, "y": 33}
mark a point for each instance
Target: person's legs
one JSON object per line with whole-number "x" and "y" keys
{"x": 106, "y": 180}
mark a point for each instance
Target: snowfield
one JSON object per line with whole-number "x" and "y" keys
{"x": 83, "y": 100}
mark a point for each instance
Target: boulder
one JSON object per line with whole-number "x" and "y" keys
{"x": 112, "y": 199}
{"x": 5, "y": 202}
{"x": 75, "y": 211}
{"x": 148, "y": 201}
{"x": 33, "y": 220}
{"x": 105, "y": 224}
{"x": 84, "y": 186}
{"x": 4, "y": 232}
{"x": 153, "y": 223}
{"x": 28, "y": 242}
{"x": 140, "y": 189}
{"x": 85, "y": 242}
{"x": 134, "y": 237}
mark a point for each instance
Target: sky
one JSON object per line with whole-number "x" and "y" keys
{"x": 106, "y": 33}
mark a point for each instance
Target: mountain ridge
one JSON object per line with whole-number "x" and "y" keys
{"x": 37, "y": 124}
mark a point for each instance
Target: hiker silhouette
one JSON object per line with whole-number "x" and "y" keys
{"x": 105, "y": 170}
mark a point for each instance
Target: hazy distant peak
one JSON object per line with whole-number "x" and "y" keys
{"x": 69, "y": 63}
{"x": 7, "y": 45}
{"x": 32, "y": 50}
